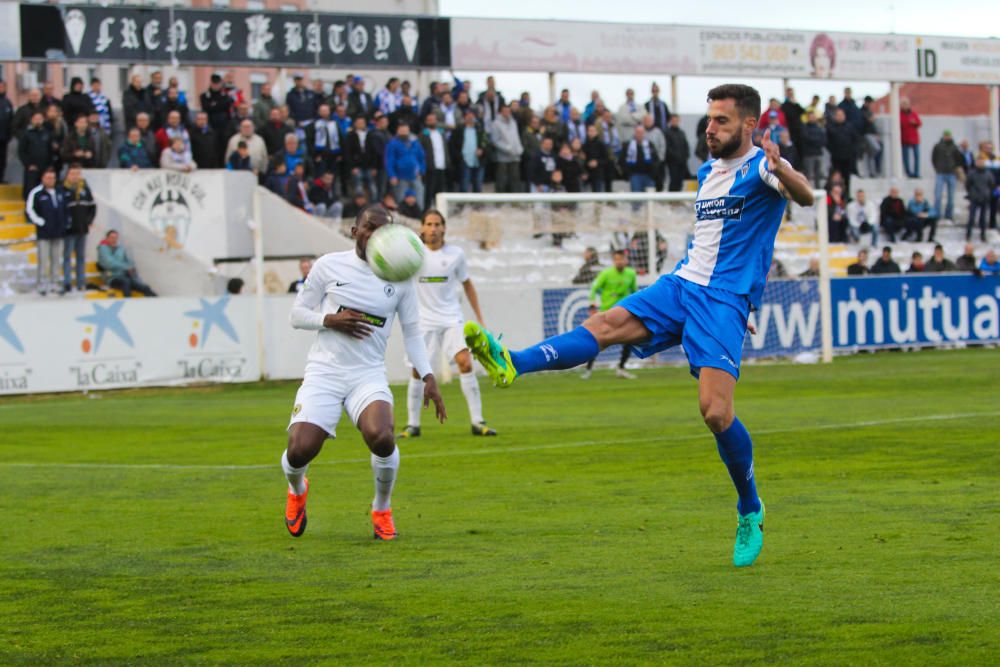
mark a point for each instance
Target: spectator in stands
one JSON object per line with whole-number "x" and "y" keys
{"x": 56, "y": 127}
{"x": 542, "y": 167}
{"x": 410, "y": 205}
{"x": 872, "y": 146}
{"x": 851, "y": 111}
{"x": 101, "y": 141}
{"x": 356, "y": 157}
{"x": 861, "y": 217}
{"x": 910, "y": 124}
{"x": 842, "y": 142}
{"x": 860, "y": 267}
{"x": 113, "y": 259}
{"x": 437, "y": 157}
{"x": 639, "y": 161}
{"x": 305, "y": 266}
{"x": 830, "y": 110}
{"x": 658, "y": 109}
{"x": 990, "y": 264}
{"x": 916, "y": 263}
{"x": 404, "y": 113}
{"x": 979, "y": 185}
{"x": 359, "y": 102}
{"x": 773, "y": 106}
{"x": 233, "y": 126}
{"x": 24, "y": 113}
{"x": 375, "y": 144}
{"x": 323, "y": 137}
{"x": 658, "y": 140}
{"x": 294, "y": 154}
{"x": 813, "y": 142}
{"x": 967, "y": 261}
{"x": 132, "y": 154}
{"x": 177, "y": 157}
{"x": 920, "y": 215}
{"x": 239, "y": 159}
{"x": 836, "y": 207}
{"x": 218, "y": 105}
{"x": 885, "y": 264}
{"x": 135, "y": 100}
{"x": 553, "y": 126}
{"x": 575, "y": 127}
{"x": 175, "y": 103}
{"x": 390, "y": 98}
{"x": 531, "y": 138}
{"x": 947, "y": 160}
{"x": 389, "y": 202}
{"x": 772, "y": 122}
{"x": 277, "y": 177}
{"x": 256, "y": 149}
{"x": 157, "y": 94}
{"x": 892, "y": 213}
{"x": 147, "y": 136}
{"x": 489, "y": 103}
{"x": 301, "y": 101}
{"x": 468, "y": 146}
{"x": 79, "y": 145}
{"x": 564, "y": 107}
{"x": 297, "y": 189}
{"x": 204, "y": 143}
{"x": 507, "y": 151}
{"x": 34, "y": 149}
{"x": 794, "y": 114}
{"x": 6, "y": 128}
{"x": 938, "y": 263}
{"x": 101, "y": 105}
{"x": 262, "y": 106}
{"x": 813, "y": 270}
{"x": 788, "y": 150}
{"x": 570, "y": 166}
{"x": 174, "y": 128}
{"x": 777, "y": 270}
{"x": 80, "y": 212}
{"x": 678, "y": 154}
{"x": 273, "y": 132}
{"x": 591, "y": 267}
{"x": 46, "y": 209}
{"x": 595, "y": 155}
{"x": 76, "y": 103}
{"x": 629, "y": 114}
{"x": 968, "y": 155}
{"x": 592, "y": 107}
{"x": 405, "y": 164}
{"x": 324, "y": 197}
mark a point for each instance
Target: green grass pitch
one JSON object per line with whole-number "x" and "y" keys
{"x": 146, "y": 527}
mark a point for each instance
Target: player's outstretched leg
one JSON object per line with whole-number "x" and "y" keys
{"x": 716, "y": 388}
{"x": 414, "y": 402}
{"x": 558, "y": 352}
{"x": 304, "y": 442}
{"x": 375, "y": 424}
{"x": 470, "y": 389}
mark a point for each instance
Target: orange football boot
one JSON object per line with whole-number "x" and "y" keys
{"x": 383, "y": 526}
{"x": 295, "y": 512}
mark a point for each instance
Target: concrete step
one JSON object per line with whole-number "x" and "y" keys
{"x": 16, "y": 232}
{"x": 10, "y": 191}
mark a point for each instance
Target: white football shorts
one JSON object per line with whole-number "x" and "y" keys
{"x": 323, "y": 394}
{"x": 448, "y": 340}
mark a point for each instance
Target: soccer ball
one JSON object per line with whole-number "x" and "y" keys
{"x": 395, "y": 253}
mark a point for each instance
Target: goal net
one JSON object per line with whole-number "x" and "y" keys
{"x": 537, "y": 241}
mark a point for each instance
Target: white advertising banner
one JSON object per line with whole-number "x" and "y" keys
{"x": 572, "y": 46}
{"x": 86, "y": 345}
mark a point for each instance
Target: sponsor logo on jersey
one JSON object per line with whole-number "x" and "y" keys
{"x": 729, "y": 207}
{"x": 374, "y": 320}
{"x": 433, "y": 279}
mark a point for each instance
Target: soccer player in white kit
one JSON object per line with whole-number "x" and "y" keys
{"x": 441, "y": 321}
{"x": 352, "y": 309}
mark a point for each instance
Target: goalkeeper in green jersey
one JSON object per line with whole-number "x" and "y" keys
{"x": 613, "y": 284}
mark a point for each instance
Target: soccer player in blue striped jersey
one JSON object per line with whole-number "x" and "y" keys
{"x": 705, "y": 303}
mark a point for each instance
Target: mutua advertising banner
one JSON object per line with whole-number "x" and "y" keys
{"x": 92, "y": 33}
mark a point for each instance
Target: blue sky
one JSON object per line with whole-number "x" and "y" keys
{"x": 969, "y": 18}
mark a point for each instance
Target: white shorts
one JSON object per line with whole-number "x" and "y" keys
{"x": 322, "y": 395}
{"x": 448, "y": 340}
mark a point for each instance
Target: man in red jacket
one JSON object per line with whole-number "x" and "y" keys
{"x": 910, "y": 123}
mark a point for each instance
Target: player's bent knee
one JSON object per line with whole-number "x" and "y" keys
{"x": 717, "y": 415}
{"x": 464, "y": 361}
{"x": 381, "y": 442}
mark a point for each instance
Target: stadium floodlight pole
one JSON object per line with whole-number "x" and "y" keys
{"x": 825, "y": 298}
{"x": 896, "y": 132}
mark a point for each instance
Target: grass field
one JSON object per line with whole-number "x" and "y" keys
{"x": 146, "y": 527}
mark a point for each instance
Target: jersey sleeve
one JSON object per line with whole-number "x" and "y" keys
{"x": 767, "y": 177}
{"x": 596, "y": 286}
{"x": 304, "y": 313}
{"x": 461, "y": 267}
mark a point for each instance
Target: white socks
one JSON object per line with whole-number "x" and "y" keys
{"x": 384, "y": 469}
{"x": 296, "y": 476}
{"x": 414, "y": 401}
{"x": 470, "y": 387}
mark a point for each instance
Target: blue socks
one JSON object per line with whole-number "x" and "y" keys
{"x": 557, "y": 353}
{"x": 736, "y": 451}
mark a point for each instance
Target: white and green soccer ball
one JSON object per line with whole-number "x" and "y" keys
{"x": 395, "y": 253}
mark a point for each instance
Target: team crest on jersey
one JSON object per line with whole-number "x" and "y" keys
{"x": 389, "y": 290}
{"x": 297, "y": 409}
{"x": 745, "y": 169}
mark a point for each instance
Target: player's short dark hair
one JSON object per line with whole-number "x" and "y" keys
{"x": 234, "y": 286}
{"x": 746, "y": 98}
{"x": 888, "y": 248}
{"x": 372, "y": 210}
{"x": 618, "y": 251}
{"x": 433, "y": 211}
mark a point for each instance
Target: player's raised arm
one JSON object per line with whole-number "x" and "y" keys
{"x": 797, "y": 186}
{"x": 409, "y": 320}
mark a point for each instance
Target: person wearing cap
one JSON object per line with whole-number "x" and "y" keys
{"x": 359, "y": 103}
{"x": 301, "y": 101}
{"x": 218, "y": 105}
{"x": 947, "y": 160}
{"x": 409, "y": 206}
{"x": 76, "y": 103}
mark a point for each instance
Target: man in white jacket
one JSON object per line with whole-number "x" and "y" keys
{"x": 255, "y": 145}
{"x": 862, "y": 218}
{"x": 629, "y": 114}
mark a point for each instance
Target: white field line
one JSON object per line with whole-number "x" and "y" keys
{"x": 488, "y": 450}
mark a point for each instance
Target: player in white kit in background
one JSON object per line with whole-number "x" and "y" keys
{"x": 352, "y": 311}
{"x": 441, "y": 321}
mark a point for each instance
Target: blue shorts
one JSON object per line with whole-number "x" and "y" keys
{"x": 710, "y": 323}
